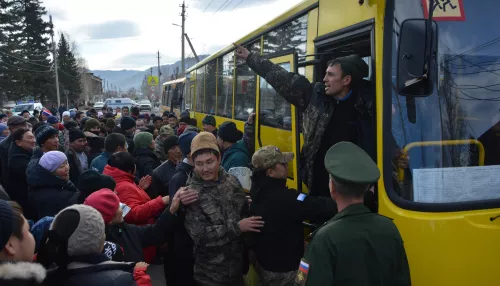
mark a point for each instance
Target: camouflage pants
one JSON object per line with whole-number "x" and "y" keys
{"x": 268, "y": 278}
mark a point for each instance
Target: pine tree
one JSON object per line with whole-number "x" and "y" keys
{"x": 11, "y": 58}
{"x": 37, "y": 68}
{"x": 69, "y": 78}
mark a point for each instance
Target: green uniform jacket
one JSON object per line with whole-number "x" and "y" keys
{"x": 356, "y": 247}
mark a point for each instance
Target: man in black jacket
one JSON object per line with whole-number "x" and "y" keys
{"x": 165, "y": 172}
{"x": 127, "y": 125}
{"x": 341, "y": 108}
{"x": 14, "y": 123}
{"x": 77, "y": 158}
{"x": 180, "y": 265}
{"x": 47, "y": 138}
{"x": 21, "y": 149}
{"x": 280, "y": 244}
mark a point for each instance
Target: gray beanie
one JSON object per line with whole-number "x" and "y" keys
{"x": 88, "y": 234}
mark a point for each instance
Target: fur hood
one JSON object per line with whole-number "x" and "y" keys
{"x": 22, "y": 271}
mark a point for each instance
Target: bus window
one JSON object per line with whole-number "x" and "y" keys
{"x": 209, "y": 106}
{"x": 200, "y": 88}
{"x": 292, "y": 35}
{"x": 274, "y": 110}
{"x": 225, "y": 87}
{"x": 246, "y": 79}
{"x": 188, "y": 99}
{"x": 452, "y": 137}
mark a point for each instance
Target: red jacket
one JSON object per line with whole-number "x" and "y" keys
{"x": 143, "y": 210}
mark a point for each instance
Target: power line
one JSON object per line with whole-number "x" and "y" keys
{"x": 221, "y": 7}
{"x": 70, "y": 76}
{"x": 11, "y": 65}
{"x": 487, "y": 44}
{"x": 237, "y": 5}
{"x": 9, "y": 55}
{"x": 41, "y": 54}
{"x": 469, "y": 73}
{"x": 204, "y": 10}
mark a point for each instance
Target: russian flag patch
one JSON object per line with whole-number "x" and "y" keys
{"x": 304, "y": 267}
{"x": 301, "y": 277}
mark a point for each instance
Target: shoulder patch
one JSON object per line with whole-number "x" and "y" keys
{"x": 302, "y": 273}
{"x": 301, "y": 197}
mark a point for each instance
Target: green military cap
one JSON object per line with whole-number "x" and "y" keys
{"x": 347, "y": 162}
{"x": 268, "y": 156}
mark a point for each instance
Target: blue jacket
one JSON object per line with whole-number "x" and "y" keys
{"x": 236, "y": 156}
{"x": 100, "y": 162}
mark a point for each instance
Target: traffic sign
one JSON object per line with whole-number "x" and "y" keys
{"x": 152, "y": 88}
{"x": 152, "y": 80}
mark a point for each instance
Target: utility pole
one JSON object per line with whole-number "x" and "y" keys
{"x": 192, "y": 49}
{"x": 183, "y": 15}
{"x": 159, "y": 77}
{"x": 54, "y": 54}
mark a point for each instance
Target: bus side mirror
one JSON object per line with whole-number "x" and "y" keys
{"x": 416, "y": 66}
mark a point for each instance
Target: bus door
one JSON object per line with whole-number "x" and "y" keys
{"x": 277, "y": 120}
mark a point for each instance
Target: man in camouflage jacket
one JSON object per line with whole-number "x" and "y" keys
{"x": 216, "y": 221}
{"x": 317, "y": 108}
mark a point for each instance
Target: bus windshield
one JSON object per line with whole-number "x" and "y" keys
{"x": 22, "y": 107}
{"x": 455, "y": 155}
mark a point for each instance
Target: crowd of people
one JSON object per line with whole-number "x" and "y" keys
{"x": 94, "y": 198}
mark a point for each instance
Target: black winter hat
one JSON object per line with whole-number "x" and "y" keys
{"x": 91, "y": 181}
{"x": 75, "y": 134}
{"x": 170, "y": 142}
{"x": 185, "y": 119}
{"x": 70, "y": 124}
{"x": 44, "y": 132}
{"x": 82, "y": 122}
{"x": 6, "y": 217}
{"x": 228, "y": 132}
{"x": 127, "y": 122}
{"x": 354, "y": 65}
{"x": 209, "y": 120}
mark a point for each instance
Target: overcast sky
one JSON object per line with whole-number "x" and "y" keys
{"x": 126, "y": 34}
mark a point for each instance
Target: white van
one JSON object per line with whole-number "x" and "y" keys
{"x": 119, "y": 102}
{"x": 27, "y": 106}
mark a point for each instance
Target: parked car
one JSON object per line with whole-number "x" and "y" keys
{"x": 145, "y": 105}
{"x": 119, "y": 102}
{"x": 98, "y": 105}
{"x": 27, "y": 106}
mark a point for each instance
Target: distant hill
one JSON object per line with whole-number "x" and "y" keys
{"x": 126, "y": 79}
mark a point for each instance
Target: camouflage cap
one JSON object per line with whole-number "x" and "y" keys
{"x": 268, "y": 156}
{"x": 166, "y": 130}
{"x": 349, "y": 163}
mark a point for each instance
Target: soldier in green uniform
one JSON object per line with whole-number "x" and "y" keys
{"x": 356, "y": 247}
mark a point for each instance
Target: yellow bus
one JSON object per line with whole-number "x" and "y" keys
{"x": 435, "y": 91}
{"x": 173, "y": 93}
